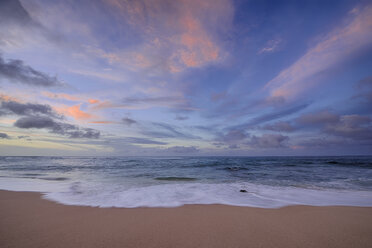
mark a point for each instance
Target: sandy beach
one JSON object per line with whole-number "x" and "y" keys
{"x": 29, "y": 221}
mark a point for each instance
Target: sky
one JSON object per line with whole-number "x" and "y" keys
{"x": 185, "y": 77}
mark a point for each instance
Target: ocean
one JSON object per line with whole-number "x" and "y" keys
{"x": 267, "y": 182}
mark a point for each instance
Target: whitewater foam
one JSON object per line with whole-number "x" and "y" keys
{"x": 197, "y": 193}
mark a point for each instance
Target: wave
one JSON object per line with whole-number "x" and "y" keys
{"x": 176, "y": 178}
{"x": 236, "y": 194}
{"x": 54, "y": 178}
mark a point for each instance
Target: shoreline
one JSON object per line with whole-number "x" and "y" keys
{"x": 28, "y": 220}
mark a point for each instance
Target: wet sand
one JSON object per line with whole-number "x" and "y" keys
{"x": 26, "y": 220}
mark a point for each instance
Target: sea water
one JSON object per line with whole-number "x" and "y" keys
{"x": 267, "y": 182}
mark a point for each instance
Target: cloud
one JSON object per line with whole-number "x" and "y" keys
{"x": 162, "y": 130}
{"x": 336, "y": 47}
{"x": 62, "y": 96}
{"x": 98, "y": 105}
{"x": 280, "y": 126}
{"x": 268, "y": 141}
{"x": 12, "y": 12}
{"x": 76, "y": 112}
{"x": 320, "y": 142}
{"x": 318, "y": 119}
{"x": 236, "y": 138}
{"x": 271, "y": 46}
{"x": 177, "y": 34}
{"x": 101, "y": 75}
{"x": 233, "y": 136}
{"x": 17, "y": 71}
{"x": 355, "y": 127}
{"x": 163, "y": 101}
{"x": 183, "y": 149}
{"x": 23, "y": 137}
{"x": 41, "y": 116}
{"x": 181, "y": 118}
{"x": 128, "y": 121}
{"x": 158, "y": 129}
{"x": 16, "y": 108}
{"x": 234, "y": 146}
{"x": 4, "y": 136}
{"x": 364, "y": 88}
{"x": 273, "y": 116}
{"x": 102, "y": 122}
{"x": 93, "y": 101}
{"x": 142, "y": 141}
{"x": 365, "y": 83}
{"x": 44, "y": 122}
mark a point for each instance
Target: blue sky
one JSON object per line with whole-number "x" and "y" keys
{"x": 157, "y": 77}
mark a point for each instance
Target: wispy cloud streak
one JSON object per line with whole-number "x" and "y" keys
{"x": 337, "y": 46}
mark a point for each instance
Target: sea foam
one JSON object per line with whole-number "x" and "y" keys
{"x": 173, "y": 195}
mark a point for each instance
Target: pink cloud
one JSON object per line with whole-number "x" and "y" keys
{"x": 93, "y": 101}
{"x": 178, "y": 34}
{"x": 102, "y": 122}
{"x": 7, "y": 98}
{"x": 75, "y": 112}
{"x": 98, "y": 105}
{"x": 63, "y": 96}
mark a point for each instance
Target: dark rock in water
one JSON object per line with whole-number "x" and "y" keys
{"x": 243, "y": 191}
{"x": 332, "y": 162}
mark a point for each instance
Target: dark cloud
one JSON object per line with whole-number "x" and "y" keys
{"x": 181, "y": 118}
{"x": 36, "y": 122}
{"x": 234, "y": 146}
{"x": 235, "y": 139}
{"x": 268, "y": 141}
{"x": 355, "y": 127}
{"x": 318, "y": 119}
{"x": 233, "y": 136}
{"x": 127, "y": 121}
{"x": 321, "y": 142}
{"x": 23, "y": 137}
{"x": 42, "y": 116}
{"x": 44, "y": 122}
{"x": 17, "y": 108}
{"x": 352, "y": 127}
{"x": 17, "y": 71}
{"x": 183, "y": 149}
{"x": 12, "y": 11}
{"x": 362, "y": 99}
{"x": 87, "y": 133}
{"x": 4, "y": 136}
{"x": 365, "y": 83}
{"x": 218, "y": 144}
{"x": 281, "y": 126}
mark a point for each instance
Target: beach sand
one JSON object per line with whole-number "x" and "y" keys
{"x": 26, "y": 220}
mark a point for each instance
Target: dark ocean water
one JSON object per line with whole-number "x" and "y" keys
{"x": 173, "y": 181}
